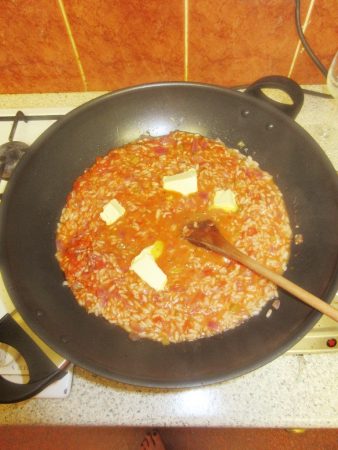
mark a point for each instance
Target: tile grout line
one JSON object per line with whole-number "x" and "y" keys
{"x": 73, "y": 44}
{"x": 186, "y": 35}
{"x": 299, "y": 44}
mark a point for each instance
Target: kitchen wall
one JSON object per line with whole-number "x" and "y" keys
{"x": 80, "y": 45}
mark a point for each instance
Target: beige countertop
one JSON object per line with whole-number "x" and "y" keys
{"x": 292, "y": 391}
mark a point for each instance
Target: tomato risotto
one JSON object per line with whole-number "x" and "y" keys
{"x": 120, "y": 244}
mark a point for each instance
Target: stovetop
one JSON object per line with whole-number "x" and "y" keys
{"x": 26, "y": 126}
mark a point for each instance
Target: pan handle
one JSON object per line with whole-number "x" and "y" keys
{"x": 284, "y": 84}
{"x": 42, "y": 371}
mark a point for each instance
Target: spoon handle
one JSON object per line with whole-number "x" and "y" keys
{"x": 226, "y": 249}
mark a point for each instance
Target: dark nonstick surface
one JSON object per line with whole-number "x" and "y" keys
{"x": 37, "y": 192}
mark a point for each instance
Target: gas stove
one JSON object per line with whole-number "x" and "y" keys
{"x": 23, "y": 127}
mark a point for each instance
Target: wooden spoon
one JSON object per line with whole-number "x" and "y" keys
{"x": 205, "y": 234}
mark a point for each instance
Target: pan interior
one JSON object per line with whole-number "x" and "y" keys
{"x": 37, "y": 192}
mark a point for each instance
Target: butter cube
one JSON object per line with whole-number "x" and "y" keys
{"x": 145, "y": 266}
{"x": 112, "y": 211}
{"x": 185, "y": 182}
{"x": 225, "y": 200}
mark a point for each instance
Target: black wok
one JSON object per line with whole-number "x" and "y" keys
{"x": 37, "y": 192}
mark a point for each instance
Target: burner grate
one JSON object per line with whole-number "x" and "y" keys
{"x": 12, "y": 151}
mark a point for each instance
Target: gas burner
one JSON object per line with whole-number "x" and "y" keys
{"x": 10, "y": 155}
{"x": 12, "y": 151}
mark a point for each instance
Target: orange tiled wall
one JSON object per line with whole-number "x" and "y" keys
{"x": 79, "y": 45}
